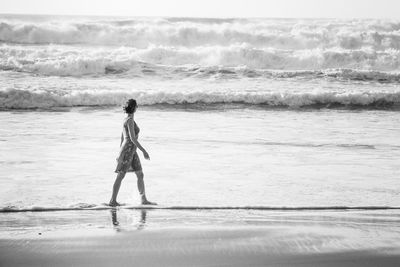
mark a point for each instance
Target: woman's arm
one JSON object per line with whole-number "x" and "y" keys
{"x": 132, "y": 136}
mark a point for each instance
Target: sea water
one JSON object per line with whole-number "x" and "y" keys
{"x": 234, "y": 112}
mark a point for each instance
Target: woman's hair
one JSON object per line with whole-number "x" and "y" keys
{"x": 130, "y": 106}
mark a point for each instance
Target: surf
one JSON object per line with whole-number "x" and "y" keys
{"x": 232, "y": 61}
{"x": 83, "y": 207}
{"x": 24, "y": 99}
{"x": 141, "y": 32}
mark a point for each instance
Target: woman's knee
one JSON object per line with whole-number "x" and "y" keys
{"x": 120, "y": 176}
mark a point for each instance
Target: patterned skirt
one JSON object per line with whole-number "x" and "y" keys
{"x": 128, "y": 159}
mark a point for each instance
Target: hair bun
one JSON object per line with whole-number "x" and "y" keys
{"x": 130, "y": 106}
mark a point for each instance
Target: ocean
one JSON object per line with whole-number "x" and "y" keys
{"x": 256, "y": 113}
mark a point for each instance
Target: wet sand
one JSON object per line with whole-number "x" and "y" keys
{"x": 200, "y": 238}
{"x": 179, "y": 247}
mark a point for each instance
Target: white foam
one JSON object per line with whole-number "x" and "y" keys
{"x": 20, "y": 99}
{"x": 142, "y": 207}
{"x": 78, "y": 61}
{"x": 121, "y": 45}
{"x": 142, "y": 32}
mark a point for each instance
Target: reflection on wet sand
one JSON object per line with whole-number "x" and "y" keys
{"x": 114, "y": 217}
{"x": 139, "y": 226}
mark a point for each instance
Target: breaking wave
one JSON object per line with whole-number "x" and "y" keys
{"x": 203, "y": 62}
{"x": 186, "y": 46}
{"x": 21, "y": 99}
{"x": 141, "y": 32}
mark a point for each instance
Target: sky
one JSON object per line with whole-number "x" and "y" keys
{"x": 209, "y": 8}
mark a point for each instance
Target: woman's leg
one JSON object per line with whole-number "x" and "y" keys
{"x": 141, "y": 188}
{"x": 117, "y": 185}
{"x": 140, "y": 184}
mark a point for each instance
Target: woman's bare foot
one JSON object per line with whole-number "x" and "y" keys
{"x": 114, "y": 204}
{"x": 146, "y": 202}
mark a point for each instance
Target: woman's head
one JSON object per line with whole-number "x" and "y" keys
{"x": 130, "y": 106}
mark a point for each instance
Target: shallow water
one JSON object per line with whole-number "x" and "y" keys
{"x": 227, "y": 157}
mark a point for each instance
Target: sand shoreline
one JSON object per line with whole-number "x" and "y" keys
{"x": 200, "y": 238}
{"x": 179, "y": 247}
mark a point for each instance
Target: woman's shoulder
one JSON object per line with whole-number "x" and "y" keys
{"x": 129, "y": 119}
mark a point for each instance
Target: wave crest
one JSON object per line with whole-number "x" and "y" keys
{"x": 166, "y": 61}
{"x": 20, "y": 99}
{"x": 141, "y": 32}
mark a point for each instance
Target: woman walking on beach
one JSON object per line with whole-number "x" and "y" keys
{"x": 128, "y": 158}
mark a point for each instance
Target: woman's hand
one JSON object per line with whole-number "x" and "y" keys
{"x": 146, "y": 155}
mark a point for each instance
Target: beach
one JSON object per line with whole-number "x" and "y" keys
{"x": 162, "y": 237}
{"x": 272, "y": 142}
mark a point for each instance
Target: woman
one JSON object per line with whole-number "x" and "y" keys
{"x": 128, "y": 159}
